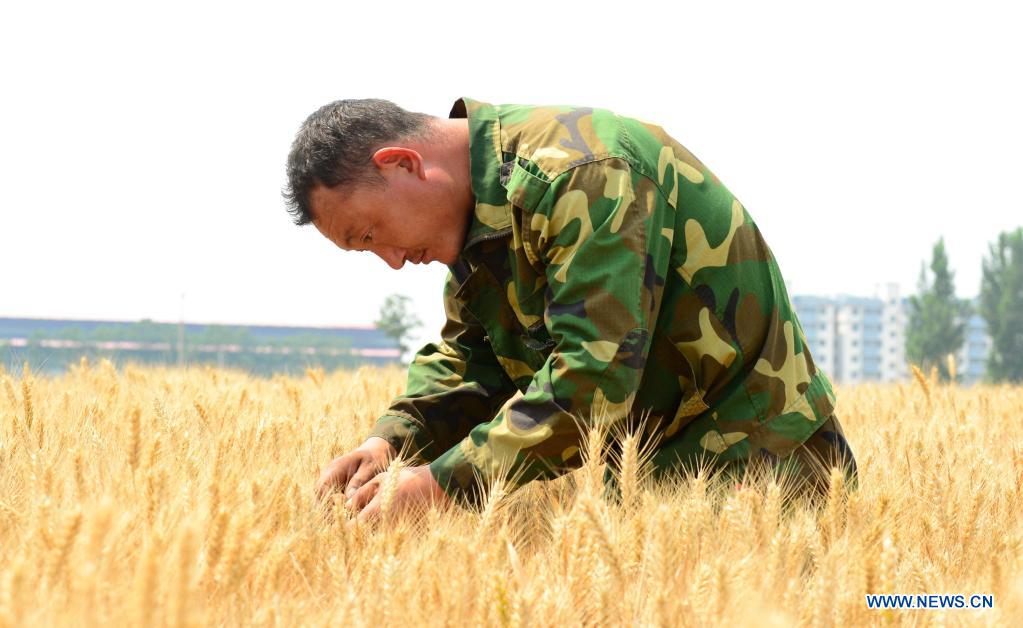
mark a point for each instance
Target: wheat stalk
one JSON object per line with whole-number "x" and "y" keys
{"x": 629, "y": 474}
{"x": 183, "y": 588}
{"x": 601, "y": 535}
{"x": 920, "y": 379}
{"x": 836, "y": 505}
{"x": 10, "y": 594}
{"x": 136, "y": 439}
{"x": 63, "y": 546}
{"x": 497, "y": 490}
{"x": 215, "y": 546}
{"x": 81, "y": 486}
{"x": 147, "y": 584}
{"x": 390, "y": 486}
{"x": 26, "y": 397}
{"x": 12, "y": 397}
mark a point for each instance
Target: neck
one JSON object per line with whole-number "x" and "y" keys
{"x": 452, "y": 146}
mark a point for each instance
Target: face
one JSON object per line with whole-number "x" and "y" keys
{"x": 413, "y": 217}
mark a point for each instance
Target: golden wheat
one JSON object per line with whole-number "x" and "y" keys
{"x": 201, "y": 511}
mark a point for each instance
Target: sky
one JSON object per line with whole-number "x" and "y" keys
{"x": 142, "y": 145}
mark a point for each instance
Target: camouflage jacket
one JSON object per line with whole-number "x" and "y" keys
{"x": 606, "y": 274}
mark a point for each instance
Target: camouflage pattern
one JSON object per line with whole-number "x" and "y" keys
{"x": 806, "y": 471}
{"x": 606, "y": 274}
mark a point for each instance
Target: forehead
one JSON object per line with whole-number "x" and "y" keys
{"x": 334, "y": 213}
{"x": 348, "y": 202}
{"x": 325, "y": 201}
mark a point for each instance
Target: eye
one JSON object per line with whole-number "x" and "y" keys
{"x": 366, "y": 239}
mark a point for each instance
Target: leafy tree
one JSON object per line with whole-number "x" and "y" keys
{"x": 1001, "y": 305}
{"x": 397, "y": 320}
{"x": 937, "y": 319}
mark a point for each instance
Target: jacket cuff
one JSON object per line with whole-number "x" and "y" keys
{"x": 399, "y": 430}
{"x": 459, "y": 478}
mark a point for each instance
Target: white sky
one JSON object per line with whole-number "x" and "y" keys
{"x": 142, "y": 147}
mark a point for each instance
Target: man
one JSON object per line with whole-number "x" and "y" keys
{"x": 598, "y": 272}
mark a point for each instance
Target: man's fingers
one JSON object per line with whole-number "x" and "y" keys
{"x": 364, "y": 474}
{"x": 335, "y": 475}
{"x": 371, "y": 511}
{"x": 364, "y": 495}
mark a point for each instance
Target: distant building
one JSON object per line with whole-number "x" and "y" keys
{"x": 863, "y": 339}
{"x": 854, "y": 339}
{"x": 972, "y": 358}
{"x": 860, "y": 330}
{"x": 895, "y": 316}
{"x": 820, "y": 324}
{"x": 52, "y": 345}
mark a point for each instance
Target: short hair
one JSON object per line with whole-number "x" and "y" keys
{"x": 334, "y": 147}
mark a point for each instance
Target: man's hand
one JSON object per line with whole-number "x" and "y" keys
{"x": 355, "y": 468}
{"x": 415, "y": 487}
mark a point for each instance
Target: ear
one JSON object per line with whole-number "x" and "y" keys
{"x": 396, "y": 158}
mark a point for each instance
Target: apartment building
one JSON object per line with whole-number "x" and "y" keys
{"x": 863, "y": 339}
{"x": 971, "y": 360}
{"x": 895, "y": 317}
{"x": 819, "y": 322}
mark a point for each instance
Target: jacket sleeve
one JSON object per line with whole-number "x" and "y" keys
{"x": 602, "y": 235}
{"x": 452, "y": 386}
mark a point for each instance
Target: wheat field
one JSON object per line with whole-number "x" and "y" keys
{"x": 171, "y": 497}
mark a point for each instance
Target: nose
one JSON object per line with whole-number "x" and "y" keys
{"x": 393, "y": 256}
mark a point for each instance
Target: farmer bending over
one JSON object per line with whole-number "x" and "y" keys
{"x": 596, "y": 266}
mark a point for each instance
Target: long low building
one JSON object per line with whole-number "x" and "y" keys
{"x": 51, "y": 345}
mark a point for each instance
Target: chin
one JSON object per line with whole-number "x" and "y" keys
{"x": 444, "y": 258}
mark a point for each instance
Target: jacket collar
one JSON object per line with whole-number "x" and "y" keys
{"x": 492, "y": 213}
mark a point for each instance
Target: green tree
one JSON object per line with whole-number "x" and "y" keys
{"x": 1001, "y": 305}
{"x": 937, "y": 319}
{"x": 397, "y": 320}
